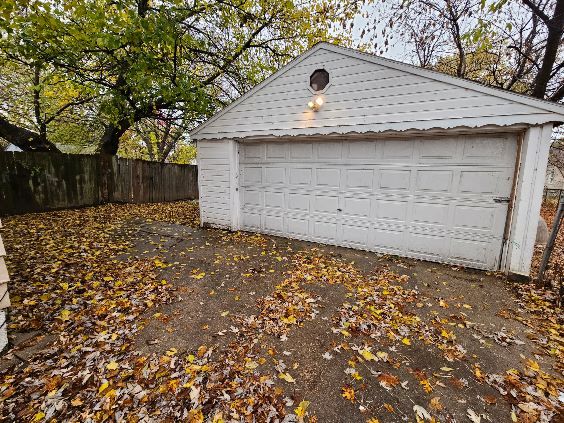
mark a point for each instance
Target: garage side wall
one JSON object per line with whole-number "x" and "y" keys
{"x": 215, "y": 169}
{"x": 528, "y": 199}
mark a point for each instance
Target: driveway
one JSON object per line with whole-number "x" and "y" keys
{"x": 246, "y": 327}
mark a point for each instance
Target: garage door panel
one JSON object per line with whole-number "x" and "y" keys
{"x": 329, "y": 151}
{"x": 427, "y": 244}
{"x": 359, "y": 178}
{"x": 484, "y": 148}
{"x": 398, "y": 149}
{"x": 274, "y": 199}
{"x": 474, "y": 217}
{"x": 426, "y": 198}
{"x": 275, "y": 175}
{"x": 434, "y": 180}
{"x": 298, "y": 226}
{"x": 386, "y": 239}
{"x": 275, "y": 151}
{"x": 361, "y": 149}
{"x": 298, "y": 202}
{"x": 357, "y": 206}
{"x": 326, "y": 204}
{"x": 300, "y": 176}
{"x": 484, "y": 182}
{"x": 252, "y": 198}
{"x": 274, "y": 223}
{"x": 470, "y": 250}
{"x": 355, "y": 234}
{"x": 392, "y": 210}
{"x": 437, "y": 150}
{"x": 328, "y": 177}
{"x": 252, "y": 175}
{"x": 430, "y": 213}
{"x": 325, "y": 230}
{"x": 251, "y": 220}
{"x": 395, "y": 179}
{"x": 254, "y": 151}
{"x": 301, "y": 151}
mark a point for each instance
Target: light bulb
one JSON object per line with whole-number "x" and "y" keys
{"x": 311, "y": 105}
{"x": 319, "y": 101}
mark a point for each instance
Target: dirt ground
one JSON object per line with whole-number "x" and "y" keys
{"x": 313, "y": 332}
{"x": 239, "y": 271}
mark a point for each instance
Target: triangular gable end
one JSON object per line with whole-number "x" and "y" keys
{"x": 369, "y": 94}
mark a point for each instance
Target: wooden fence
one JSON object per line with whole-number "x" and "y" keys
{"x": 31, "y": 182}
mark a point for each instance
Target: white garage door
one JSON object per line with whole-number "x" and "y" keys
{"x": 440, "y": 199}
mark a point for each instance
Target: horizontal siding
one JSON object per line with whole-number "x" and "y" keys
{"x": 362, "y": 97}
{"x": 214, "y": 183}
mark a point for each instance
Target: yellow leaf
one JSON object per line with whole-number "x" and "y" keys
{"x": 382, "y": 355}
{"x": 287, "y": 377}
{"x": 45, "y": 297}
{"x": 225, "y": 313}
{"x": 112, "y": 366}
{"x": 65, "y": 315}
{"x": 251, "y": 365}
{"x": 406, "y": 341}
{"x": 533, "y": 365}
{"x": 373, "y": 420}
{"x": 348, "y": 393}
{"x": 446, "y": 369}
{"x": 39, "y": 416}
{"x": 367, "y": 355}
{"x": 195, "y": 416}
{"x": 302, "y": 408}
{"x": 103, "y": 387}
{"x": 199, "y": 275}
{"x": 77, "y": 402}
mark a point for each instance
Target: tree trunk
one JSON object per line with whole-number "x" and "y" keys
{"x": 109, "y": 143}
{"x": 24, "y": 138}
{"x": 555, "y": 30}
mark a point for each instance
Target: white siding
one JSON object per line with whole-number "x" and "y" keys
{"x": 214, "y": 182}
{"x": 528, "y": 199}
{"x": 364, "y": 96}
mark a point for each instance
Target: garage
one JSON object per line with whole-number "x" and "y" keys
{"x": 349, "y": 149}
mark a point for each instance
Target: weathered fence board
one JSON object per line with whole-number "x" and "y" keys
{"x": 31, "y": 182}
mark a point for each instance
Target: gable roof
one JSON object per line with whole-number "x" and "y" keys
{"x": 533, "y": 111}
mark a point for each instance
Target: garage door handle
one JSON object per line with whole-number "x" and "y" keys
{"x": 339, "y": 210}
{"x": 501, "y": 199}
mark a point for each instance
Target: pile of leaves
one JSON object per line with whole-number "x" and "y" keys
{"x": 67, "y": 281}
{"x": 62, "y": 263}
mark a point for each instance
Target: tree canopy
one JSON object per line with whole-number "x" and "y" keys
{"x": 94, "y": 72}
{"x": 121, "y": 62}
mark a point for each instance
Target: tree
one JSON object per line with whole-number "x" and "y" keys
{"x": 513, "y": 45}
{"x": 551, "y": 15}
{"x": 41, "y": 102}
{"x": 140, "y": 58}
{"x": 161, "y": 139}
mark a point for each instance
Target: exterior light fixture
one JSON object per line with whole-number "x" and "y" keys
{"x": 316, "y": 103}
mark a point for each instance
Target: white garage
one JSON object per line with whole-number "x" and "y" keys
{"x": 350, "y": 149}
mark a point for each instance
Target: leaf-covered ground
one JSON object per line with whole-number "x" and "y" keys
{"x": 133, "y": 313}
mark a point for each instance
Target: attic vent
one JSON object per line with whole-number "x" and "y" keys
{"x": 319, "y": 79}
